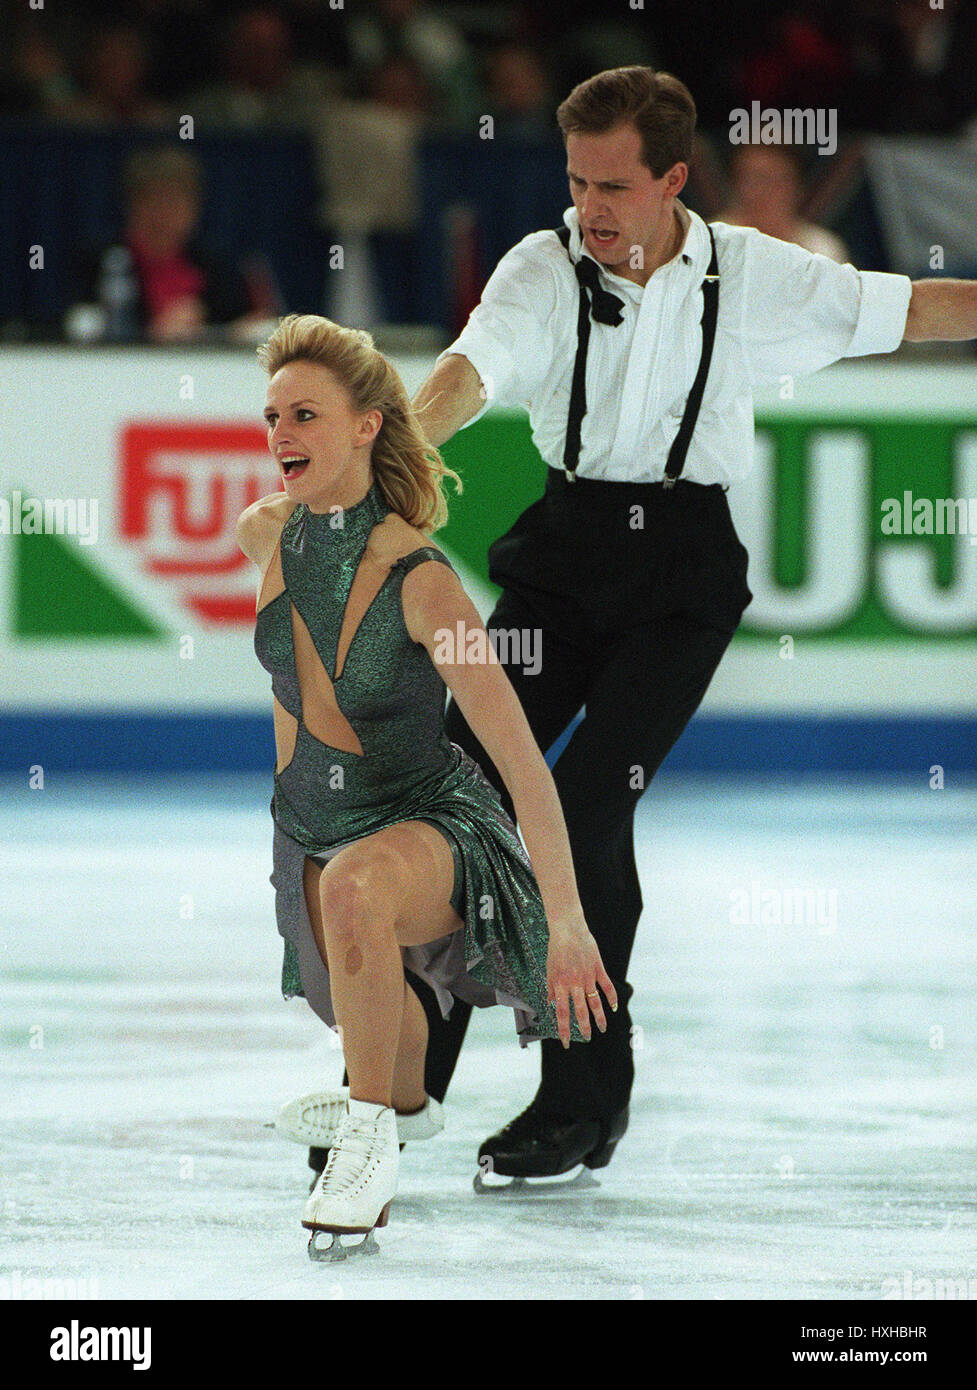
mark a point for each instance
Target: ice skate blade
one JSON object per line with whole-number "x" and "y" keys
{"x": 336, "y": 1250}
{"x": 488, "y": 1184}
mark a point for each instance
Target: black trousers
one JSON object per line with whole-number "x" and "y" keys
{"x": 632, "y": 592}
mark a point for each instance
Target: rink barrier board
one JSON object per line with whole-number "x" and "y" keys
{"x": 127, "y": 743}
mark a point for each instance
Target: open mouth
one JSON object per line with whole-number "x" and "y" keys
{"x": 292, "y": 467}
{"x": 602, "y": 236}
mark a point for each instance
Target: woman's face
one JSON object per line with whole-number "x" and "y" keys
{"x": 166, "y": 212}
{"x": 320, "y": 443}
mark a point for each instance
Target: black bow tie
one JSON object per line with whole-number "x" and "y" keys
{"x": 604, "y": 306}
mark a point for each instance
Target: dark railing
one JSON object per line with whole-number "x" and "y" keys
{"x": 60, "y": 191}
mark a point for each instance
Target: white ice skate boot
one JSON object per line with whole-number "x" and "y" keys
{"x": 314, "y": 1119}
{"x": 355, "y": 1189}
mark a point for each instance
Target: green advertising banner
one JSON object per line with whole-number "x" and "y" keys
{"x": 865, "y": 528}
{"x": 122, "y": 586}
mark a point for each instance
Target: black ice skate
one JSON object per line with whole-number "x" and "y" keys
{"x": 536, "y": 1146}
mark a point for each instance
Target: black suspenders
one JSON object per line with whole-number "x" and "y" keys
{"x": 587, "y": 280}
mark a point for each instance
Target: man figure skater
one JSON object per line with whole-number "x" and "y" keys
{"x": 634, "y": 337}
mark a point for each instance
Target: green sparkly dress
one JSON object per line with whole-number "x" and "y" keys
{"x": 393, "y": 697}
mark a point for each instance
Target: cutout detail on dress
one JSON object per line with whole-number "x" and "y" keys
{"x": 272, "y": 581}
{"x": 286, "y": 733}
{"x": 321, "y": 714}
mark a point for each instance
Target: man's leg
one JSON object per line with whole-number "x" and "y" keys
{"x": 643, "y": 694}
{"x": 640, "y": 701}
{"x": 444, "y": 1037}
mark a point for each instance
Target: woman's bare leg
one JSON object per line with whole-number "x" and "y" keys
{"x": 408, "y": 1085}
{"x": 408, "y": 1081}
{"x": 388, "y": 890}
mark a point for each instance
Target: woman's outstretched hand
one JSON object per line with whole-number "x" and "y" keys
{"x": 575, "y": 971}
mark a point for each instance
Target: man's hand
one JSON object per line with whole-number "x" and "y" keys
{"x": 574, "y": 970}
{"x": 944, "y": 310}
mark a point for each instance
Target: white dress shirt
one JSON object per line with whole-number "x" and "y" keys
{"x": 782, "y": 312}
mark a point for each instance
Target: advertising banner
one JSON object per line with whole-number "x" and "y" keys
{"x": 123, "y": 592}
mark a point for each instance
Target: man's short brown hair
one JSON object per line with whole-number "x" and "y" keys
{"x": 658, "y": 105}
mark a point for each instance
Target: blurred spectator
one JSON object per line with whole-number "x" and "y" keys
{"x": 113, "y": 81}
{"x": 35, "y": 78}
{"x": 796, "y": 62}
{"x": 399, "y": 85}
{"x": 913, "y": 65}
{"x": 767, "y": 187}
{"x": 367, "y": 157}
{"x": 577, "y": 50}
{"x": 519, "y": 97}
{"x": 412, "y": 29}
{"x": 261, "y": 82}
{"x": 367, "y": 152}
{"x": 158, "y": 281}
{"x": 319, "y": 31}
{"x": 180, "y": 36}
{"x": 701, "y": 42}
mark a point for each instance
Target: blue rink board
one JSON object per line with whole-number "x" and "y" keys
{"x": 235, "y": 742}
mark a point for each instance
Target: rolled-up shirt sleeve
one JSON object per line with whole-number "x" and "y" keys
{"x": 802, "y": 311}
{"x": 882, "y": 312}
{"x": 508, "y": 337}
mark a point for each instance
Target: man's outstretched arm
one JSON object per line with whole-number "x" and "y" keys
{"x": 452, "y": 394}
{"x": 942, "y": 309}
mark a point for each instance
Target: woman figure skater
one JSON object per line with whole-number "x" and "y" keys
{"x": 390, "y": 846}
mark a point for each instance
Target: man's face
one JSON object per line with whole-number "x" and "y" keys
{"x": 620, "y": 203}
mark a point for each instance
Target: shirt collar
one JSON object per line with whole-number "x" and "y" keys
{"x": 695, "y": 250}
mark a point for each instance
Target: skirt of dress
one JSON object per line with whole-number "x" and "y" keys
{"x": 498, "y": 957}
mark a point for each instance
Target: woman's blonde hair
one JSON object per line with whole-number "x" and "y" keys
{"x": 408, "y": 468}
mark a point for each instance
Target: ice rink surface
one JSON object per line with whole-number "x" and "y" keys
{"x": 805, "y": 1040}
